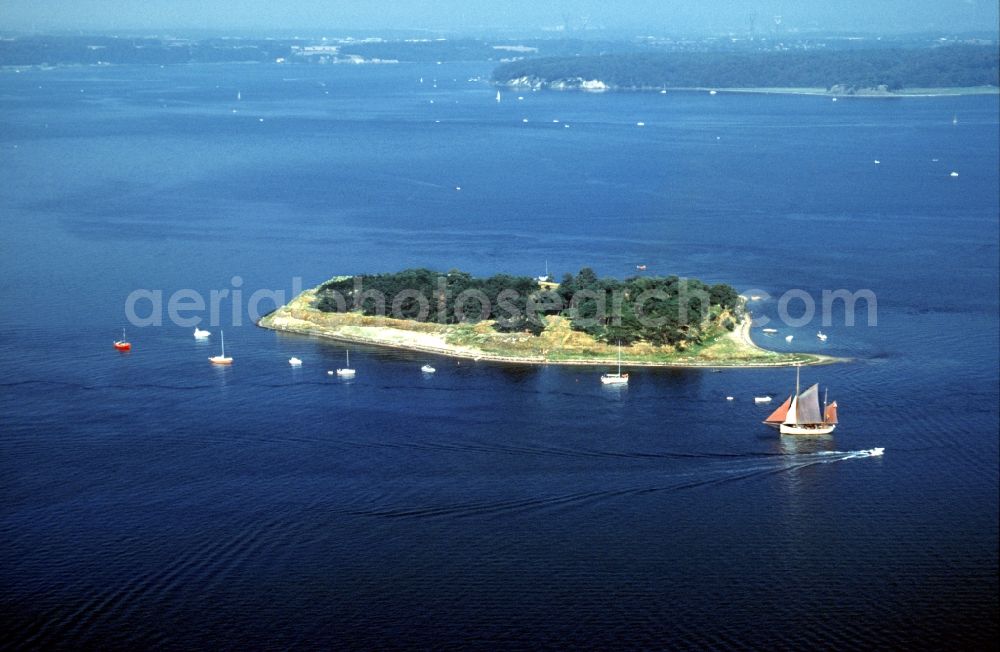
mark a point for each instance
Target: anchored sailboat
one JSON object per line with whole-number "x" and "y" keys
{"x": 123, "y": 344}
{"x": 618, "y": 378}
{"x": 346, "y": 372}
{"x": 544, "y": 279}
{"x": 800, "y": 413}
{"x": 221, "y": 358}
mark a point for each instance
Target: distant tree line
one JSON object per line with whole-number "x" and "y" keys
{"x": 660, "y": 310}
{"x": 951, "y": 66}
{"x": 34, "y": 50}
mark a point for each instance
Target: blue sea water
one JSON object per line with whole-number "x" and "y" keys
{"x": 152, "y": 500}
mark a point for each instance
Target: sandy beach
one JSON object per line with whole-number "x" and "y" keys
{"x": 735, "y": 349}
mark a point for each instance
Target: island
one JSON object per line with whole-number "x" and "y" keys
{"x": 581, "y": 320}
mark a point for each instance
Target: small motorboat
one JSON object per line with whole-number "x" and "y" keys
{"x": 769, "y": 331}
{"x": 821, "y": 335}
{"x": 761, "y": 399}
{"x": 427, "y": 369}
{"x": 641, "y": 268}
{"x": 295, "y": 362}
{"x": 123, "y": 344}
{"x": 200, "y": 334}
{"x": 729, "y": 398}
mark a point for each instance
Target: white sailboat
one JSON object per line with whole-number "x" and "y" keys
{"x": 544, "y": 279}
{"x": 800, "y": 414}
{"x": 618, "y": 378}
{"x": 498, "y": 97}
{"x": 221, "y": 358}
{"x": 346, "y": 372}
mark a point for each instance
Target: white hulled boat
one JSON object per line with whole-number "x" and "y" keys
{"x": 346, "y": 372}
{"x": 221, "y": 358}
{"x": 618, "y": 378}
{"x": 544, "y": 279}
{"x": 800, "y": 414}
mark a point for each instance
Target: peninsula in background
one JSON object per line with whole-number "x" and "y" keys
{"x": 894, "y": 71}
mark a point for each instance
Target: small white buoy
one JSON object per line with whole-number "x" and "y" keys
{"x": 520, "y": 97}
{"x": 953, "y": 174}
{"x": 329, "y": 372}
{"x": 260, "y": 119}
{"x": 834, "y": 99}
{"x": 565, "y": 126}
{"x": 525, "y": 120}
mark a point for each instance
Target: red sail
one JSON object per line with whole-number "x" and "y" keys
{"x": 831, "y": 413}
{"x": 778, "y": 416}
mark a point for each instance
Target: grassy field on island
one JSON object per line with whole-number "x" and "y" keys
{"x": 556, "y": 344}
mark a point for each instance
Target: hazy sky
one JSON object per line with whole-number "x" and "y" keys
{"x": 645, "y": 16}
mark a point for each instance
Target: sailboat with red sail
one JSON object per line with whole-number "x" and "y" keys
{"x": 800, "y": 414}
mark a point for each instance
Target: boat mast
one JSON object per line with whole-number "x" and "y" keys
{"x": 826, "y": 395}
{"x": 619, "y": 357}
{"x": 223, "y": 335}
{"x": 348, "y": 358}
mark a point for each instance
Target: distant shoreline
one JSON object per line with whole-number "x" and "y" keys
{"x": 915, "y": 92}
{"x": 735, "y": 349}
{"x": 775, "y": 90}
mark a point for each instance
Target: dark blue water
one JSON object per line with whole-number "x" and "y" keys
{"x": 151, "y": 500}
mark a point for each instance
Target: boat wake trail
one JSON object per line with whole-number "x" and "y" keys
{"x": 697, "y": 479}
{"x": 851, "y": 455}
